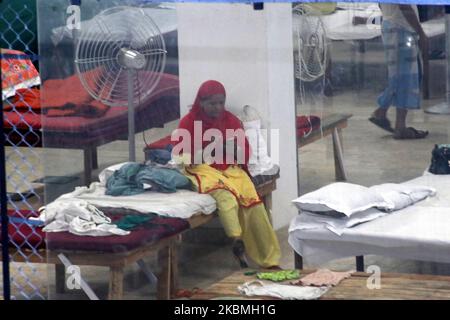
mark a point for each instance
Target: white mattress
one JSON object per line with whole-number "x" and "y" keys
{"x": 418, "y": 232}
{"x": 181, "y": 204}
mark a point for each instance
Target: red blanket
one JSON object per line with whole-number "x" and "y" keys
{"x": 58, "y": 98}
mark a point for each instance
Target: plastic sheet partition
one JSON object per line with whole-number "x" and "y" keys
{"x": 21, "y": 161}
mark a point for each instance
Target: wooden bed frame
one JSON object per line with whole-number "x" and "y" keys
{"x": 166, "y": 249}
{"x": 333, "y": 125}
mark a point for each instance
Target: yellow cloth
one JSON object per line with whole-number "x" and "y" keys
{"x": 240, "y": 210}
{"x": 233, "y": 179}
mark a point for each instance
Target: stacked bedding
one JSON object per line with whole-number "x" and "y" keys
{"x": 341, "y": 205}
{"x": 418, "y": 231}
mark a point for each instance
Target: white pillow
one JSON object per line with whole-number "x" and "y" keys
{"x": 401, "y": 195}
{"x": 343, "y": 197}
{"x": 108, "y": 172}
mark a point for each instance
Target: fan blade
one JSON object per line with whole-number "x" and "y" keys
{"x": 92, "y": 60}
{"x": 153, "y": 52}
{"x": 113, "y": 85}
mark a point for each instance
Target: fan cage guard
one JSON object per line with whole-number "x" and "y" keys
{"x": 310, "y": 44}
{"x": 97, "y": 56}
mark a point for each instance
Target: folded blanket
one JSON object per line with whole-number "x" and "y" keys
{"x": 338, "y": 225}
{"x": 401, "y": 195}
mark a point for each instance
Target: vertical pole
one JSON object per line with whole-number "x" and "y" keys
{"x": 131, "y": 131}
{"x": 3, "y": 210}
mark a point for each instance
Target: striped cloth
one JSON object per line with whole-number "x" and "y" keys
{"x": 404, "y": 74}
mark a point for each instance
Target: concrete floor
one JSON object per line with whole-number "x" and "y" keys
{"x": 371, "y": 157}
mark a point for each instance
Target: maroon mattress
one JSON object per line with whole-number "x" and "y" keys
{"x": 23, "y": 235}
{"x": 76, "y": 132}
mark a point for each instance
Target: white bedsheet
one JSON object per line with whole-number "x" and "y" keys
{"x": 181, "y": 204}
{"x": 420, "y": 232}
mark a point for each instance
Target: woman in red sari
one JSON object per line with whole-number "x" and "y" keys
{"x": 218, "y": 153}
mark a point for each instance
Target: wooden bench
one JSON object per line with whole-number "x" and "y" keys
{"x": 333, "y": 125}
{"x": 169, "y": 282}
{"x": 392, "y": 286}
{"x": 166, "y": 249}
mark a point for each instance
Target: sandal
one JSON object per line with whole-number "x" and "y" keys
{"x": 239, "y": 253}
{"x": 382, "y": 123}
{"x": 409, "y": 133}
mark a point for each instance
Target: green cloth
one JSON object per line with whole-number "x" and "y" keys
{"x": 279, "y": 275}
{"x": 131, "y": 222}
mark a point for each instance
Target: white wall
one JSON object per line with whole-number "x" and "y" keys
{"x": 250, "y": 52}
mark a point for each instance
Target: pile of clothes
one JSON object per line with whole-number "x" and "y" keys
{"x": 80, "y": 211}
{"x": 309, "y": 287}
{"x": 135, "y": 178}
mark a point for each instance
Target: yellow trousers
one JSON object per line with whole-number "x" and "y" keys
{"x": 251, "y": 225}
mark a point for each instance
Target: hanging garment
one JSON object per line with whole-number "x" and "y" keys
{"x": 259, "y": 162}
{"x": 288, "y": 292}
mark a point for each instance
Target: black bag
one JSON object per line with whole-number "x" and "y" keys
{"x": 440, "y": 159}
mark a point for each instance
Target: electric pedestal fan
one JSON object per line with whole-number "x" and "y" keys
{"x": 310, "y": 45}
{"x": 119, "y": 59}
{"x": 310, "y": 56}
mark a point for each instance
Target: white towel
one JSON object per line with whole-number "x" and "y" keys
{"x": 287, "y": 292}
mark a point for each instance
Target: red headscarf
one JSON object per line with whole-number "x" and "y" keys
{"x": 226, "y": 120}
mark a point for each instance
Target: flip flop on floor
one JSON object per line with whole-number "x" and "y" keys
{"x": 409, "y": 133}
{"x": 382, "y": 123}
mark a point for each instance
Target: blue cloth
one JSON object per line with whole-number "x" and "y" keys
{"x": 402, "y": 55}
{"x": 130, "y": 179}
{"x": 160, "y": 156}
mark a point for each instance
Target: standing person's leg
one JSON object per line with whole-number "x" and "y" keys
{"x": 400, "y": 119}
{"x": 407, "y": 95}
{"x": 379, "y": 116}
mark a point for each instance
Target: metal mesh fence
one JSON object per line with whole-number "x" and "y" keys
{"x": 21, "y": 123}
